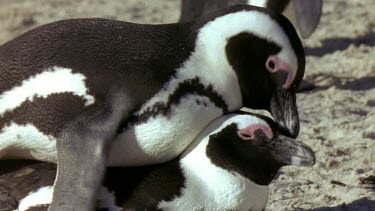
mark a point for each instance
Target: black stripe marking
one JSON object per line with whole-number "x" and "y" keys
{"x": 49, "y": 114}
{"x": 187, "y": 87}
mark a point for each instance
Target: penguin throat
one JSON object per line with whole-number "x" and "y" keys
{"x": 186, "y": 87}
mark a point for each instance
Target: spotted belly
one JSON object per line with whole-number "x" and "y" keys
{"x": 164, "y": 137}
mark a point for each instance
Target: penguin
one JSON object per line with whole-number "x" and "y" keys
{"x": 228, "y": 167}
{"x": 91, "y": 93}
{"x": 305, "y": 15}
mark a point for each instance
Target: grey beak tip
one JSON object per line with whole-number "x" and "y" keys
{"x": 311, "y": 162}
{"x": 307, "y": 158}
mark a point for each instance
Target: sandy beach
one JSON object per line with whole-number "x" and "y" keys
{"x": 337, "y": 117}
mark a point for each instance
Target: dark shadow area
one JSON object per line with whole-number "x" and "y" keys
{"x": 331, "y": 45}
{"x": 363, "y": 204}
{"x": 360, "y": 84}
{"x": 344, "y": 83}
{"x": 9, "y": 166}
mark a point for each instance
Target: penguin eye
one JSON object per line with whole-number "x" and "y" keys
{"x": 245, "y": 136}
{"x": 270, "y": 65}
{"x": 281, "y": 70}
{"x": 255, "y": 131}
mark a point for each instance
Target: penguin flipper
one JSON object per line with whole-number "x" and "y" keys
{"x": 307, "y": 15}
{"x": 82, "y": 153}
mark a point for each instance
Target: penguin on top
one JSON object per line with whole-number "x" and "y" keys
{"x": 227, "y": 167}
{"x": 91, "y": 93}
{"x": 305, "y": 15}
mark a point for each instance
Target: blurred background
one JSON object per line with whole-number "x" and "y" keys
{"x": 337, "y": 117}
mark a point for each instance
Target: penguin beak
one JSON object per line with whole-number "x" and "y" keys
{"x": 291, "y": 152}
{"x": 283, "y": 108}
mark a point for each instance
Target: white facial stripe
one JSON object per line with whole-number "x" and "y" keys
{"x": 244, "y": 121}
{"x": 42, "y": 196}
{"x": 54, "y": 80}
{"x": 29, "y": 142}
{"x": 258, "y": 3}
{"x": 214, "y": 35}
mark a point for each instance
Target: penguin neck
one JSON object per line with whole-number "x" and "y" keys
{"x": 208, "y": 61}
{"x": 213, "y": 74}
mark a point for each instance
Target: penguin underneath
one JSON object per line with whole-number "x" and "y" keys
{"x": 91, "y": 93}
{"x": 305, "y": 15}
{"x": 228, "y": 167}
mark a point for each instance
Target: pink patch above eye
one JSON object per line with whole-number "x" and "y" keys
{"x": 248, "y": 132}
{"x": 274, "y": 64}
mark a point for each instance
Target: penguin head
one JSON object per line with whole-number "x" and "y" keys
{"x": 255, "y": 148}
{"x": 264, "y": 52}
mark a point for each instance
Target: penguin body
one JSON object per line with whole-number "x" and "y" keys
{"x": 228, "y": 167}
{"x": 88, "y": 93}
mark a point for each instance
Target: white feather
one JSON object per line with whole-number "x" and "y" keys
{"x": 50, "y": 81}
{"x": 258, "y": 3}
{"x": 27, "y": 142}
{"x": 164, "y": 137}
{"x": 40, "y": 197}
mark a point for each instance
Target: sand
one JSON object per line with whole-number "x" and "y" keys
{"x": 337, "y": 118}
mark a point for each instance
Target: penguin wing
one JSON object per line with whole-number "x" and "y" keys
{"x": 308, "y": 15}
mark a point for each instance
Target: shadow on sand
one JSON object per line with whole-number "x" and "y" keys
{"x": 331, "y": 45}
{"x": 363, "y": 204}
{"x": 9, "y": 166}
{"x": 344, "y": 83}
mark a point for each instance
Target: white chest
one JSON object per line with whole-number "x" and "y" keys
{"x": 163, "y": 138}
{"x": 224, "y": 193}
{"x": 27, "y": 142}
{"x": 208, "y": 187}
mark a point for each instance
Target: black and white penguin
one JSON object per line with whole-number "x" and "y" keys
{"x": 304, "y": 14}
{"x": 87, "y": 93}
{"x": 228, "y": 167}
